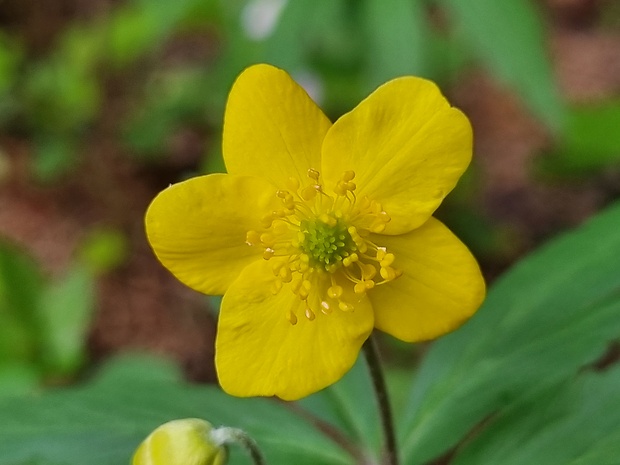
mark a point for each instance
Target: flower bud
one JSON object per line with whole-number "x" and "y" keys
{"x": 181, "y": 442}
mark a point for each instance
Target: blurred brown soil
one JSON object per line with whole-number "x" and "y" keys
{"x": 141, "y": 306}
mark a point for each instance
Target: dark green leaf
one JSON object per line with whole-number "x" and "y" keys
{"x": 578, "y": 425}
{"x": 591, "y": 140}
{"x": 106, "y": 419}
{"x": 542, "y": 322}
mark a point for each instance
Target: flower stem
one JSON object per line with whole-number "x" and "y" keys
{"x": 371, "y": 351}
{"x": 227, "y": 435}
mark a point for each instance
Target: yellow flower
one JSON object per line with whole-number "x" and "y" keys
{"x": 321, "y": 231}
{"x": 181, "y": 442}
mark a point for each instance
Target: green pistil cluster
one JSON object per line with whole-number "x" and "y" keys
{"x": 326, "y": 243}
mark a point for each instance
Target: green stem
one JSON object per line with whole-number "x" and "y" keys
{"x": 227, "y": 435}
{"x": 376, "y": 374}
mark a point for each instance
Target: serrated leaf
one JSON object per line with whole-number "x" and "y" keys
{"x": 542, "y": 322}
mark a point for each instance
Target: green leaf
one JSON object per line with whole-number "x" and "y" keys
{"x": 350, "y": 406}
{"x": 398, "y": 36}
{"x": 66, "y": 312}
{"x": 103, "y": 250}
{"x": 578, "y": 425}
{"x": 542, "y": 322}
{"x": 591, "y": 140}
{"x": 21, "y": 287}
{"x": 106, "y": 419}
{"x": 508, "y": 37}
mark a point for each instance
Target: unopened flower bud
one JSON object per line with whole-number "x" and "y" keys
{"x": 181, "y": 442}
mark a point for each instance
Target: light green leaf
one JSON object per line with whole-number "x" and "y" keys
{"x": 578, "y": 425}
{"x": 106, "y": 419}
{"x": 398, "y": 36}
{"x": 508, "y": 37}
{"x": 66, "y": 311}
{"x": 542, "y": 322}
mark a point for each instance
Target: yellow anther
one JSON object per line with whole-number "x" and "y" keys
{"x": 387, "y": 260}
{"x": 378, "y": 227}
{"x": 268, "y": 253}
{"x": 335, "y": 292}
{"x": 291, "y": 318}
{"x": 325, "y": 308}
{"x": 388, "y": 273}
{"x": 347, "y": 261}
{"x": 370, "y": 284}
{"x": 345, "y": 307}
{"x": 340, "y": 189}
{"x": 285, "y": 274}
{"x": 308, "y": 192}
{"x": 348, "y": 175}
{"x": 313, "y": 174}
{"x": 368, "y": 270}
{"x": 360, "y": 288}
{"x": 252, "y": 238}
{"x": 381, "y": 253}
{"x": 310, "y": 314}
{"x": 303, "y": 293}
{"x": 383, "y": 216}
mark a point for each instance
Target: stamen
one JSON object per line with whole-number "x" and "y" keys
{"x": 322, "y": 244}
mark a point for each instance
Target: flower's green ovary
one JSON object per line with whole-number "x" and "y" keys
{"x": 326, "y": 245}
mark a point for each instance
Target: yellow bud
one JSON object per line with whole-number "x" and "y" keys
{"x": 181, "y": 442}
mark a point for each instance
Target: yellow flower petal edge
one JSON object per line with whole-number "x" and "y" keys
{"x": 198, "y": 227}
{"x": 272, "y": 128}
{"x": 407, "y": 146}
{"x": 321, "y": 232}
{"x": 260, "y": 353}
{"x": 440, "y": 286}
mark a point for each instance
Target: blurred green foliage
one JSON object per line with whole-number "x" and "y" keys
{"x": 342, "y": 49}
{"x": 44, "y": 322}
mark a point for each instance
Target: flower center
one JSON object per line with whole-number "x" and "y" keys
{"x": 320, "y": 245}
{"x": 326, "y": 241}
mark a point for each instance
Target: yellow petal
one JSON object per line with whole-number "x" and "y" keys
{"x": 272, "y": 128}
{"x": 440, "y": 288}
{"x": 198, "y": 227}
{"x": 260, "y": 353}
{"x": 407, "y": 146}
